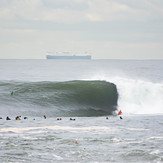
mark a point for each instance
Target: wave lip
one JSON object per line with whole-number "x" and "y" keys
{"x": 69, "y": 98}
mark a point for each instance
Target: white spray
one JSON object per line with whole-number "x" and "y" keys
{"x": 137, "y": 96}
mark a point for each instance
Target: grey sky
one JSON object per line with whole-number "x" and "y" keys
{"x": 112, "y": 29}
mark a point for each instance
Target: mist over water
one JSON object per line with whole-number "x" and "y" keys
{"x": 139, "y": 85}
{"x": 140, "y": 97}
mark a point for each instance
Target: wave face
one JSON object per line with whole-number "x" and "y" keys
{"x": 70, "y": 98}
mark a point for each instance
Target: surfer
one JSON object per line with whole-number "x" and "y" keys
{"x": 18, "y": 118}
{"x": 12, "y": 93}
{"x": 72, "y": 119}
{"x": 119, "y": 112}
{"x": 107, "y": 118}
{"x": 44, "y": 117}
{"x": 7, "y": 118}
{"x": 120, "y": 117}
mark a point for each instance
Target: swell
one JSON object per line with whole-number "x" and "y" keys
{"x": 69, "y": 98}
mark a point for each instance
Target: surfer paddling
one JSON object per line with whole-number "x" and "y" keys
{"x": 7, "y": 118}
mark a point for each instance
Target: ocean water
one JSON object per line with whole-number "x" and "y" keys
{"x": 87, "y": 91}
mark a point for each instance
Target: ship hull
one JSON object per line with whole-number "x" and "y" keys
{"x": 87, "y": 57}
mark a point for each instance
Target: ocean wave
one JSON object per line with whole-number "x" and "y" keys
{"x": 69, "y": 98}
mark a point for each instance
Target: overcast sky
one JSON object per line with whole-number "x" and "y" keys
{"x": 108, "y": 29}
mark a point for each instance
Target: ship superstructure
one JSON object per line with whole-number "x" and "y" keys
{"x": 66, "y": 55}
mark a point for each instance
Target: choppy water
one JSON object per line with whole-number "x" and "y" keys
{"x": 132, "y": 139}
{"x": 87, "y": 91}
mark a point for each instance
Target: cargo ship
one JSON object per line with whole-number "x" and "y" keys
{"x": 66, "y": 55}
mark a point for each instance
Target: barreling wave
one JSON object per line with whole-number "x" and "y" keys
{"x": 69, "y": 98}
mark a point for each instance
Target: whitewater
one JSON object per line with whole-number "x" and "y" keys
{"x": 88, "y": 91}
